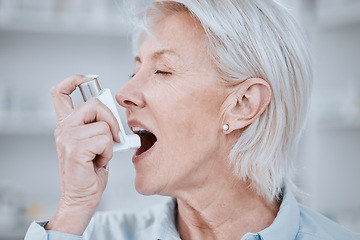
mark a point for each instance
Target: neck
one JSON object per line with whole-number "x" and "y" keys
{"x": 224, "y": 209}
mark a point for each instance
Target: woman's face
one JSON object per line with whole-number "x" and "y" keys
{"x": 176, "y": 95}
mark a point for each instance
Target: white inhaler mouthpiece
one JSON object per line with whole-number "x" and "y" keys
{"x": 92, "y": 89}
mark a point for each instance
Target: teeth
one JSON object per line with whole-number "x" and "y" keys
{"x": 140, "y": 130}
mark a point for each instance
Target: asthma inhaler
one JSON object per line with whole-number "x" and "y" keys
{"x": 92, "y": 89}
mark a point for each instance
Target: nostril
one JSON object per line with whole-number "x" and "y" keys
{"x": 129, "y": 103}
{"x": 130, "y": 96}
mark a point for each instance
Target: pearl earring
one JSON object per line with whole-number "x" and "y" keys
{"x": 225, "y": 127}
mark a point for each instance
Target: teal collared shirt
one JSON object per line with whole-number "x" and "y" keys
{"x": 293, "y": 222}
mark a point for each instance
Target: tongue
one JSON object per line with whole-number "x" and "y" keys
{"x": 147, "y": 141}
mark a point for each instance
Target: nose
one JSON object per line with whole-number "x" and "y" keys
{"x": 130, "y": 96}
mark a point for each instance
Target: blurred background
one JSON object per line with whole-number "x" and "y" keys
{"x": 44, "y": 41}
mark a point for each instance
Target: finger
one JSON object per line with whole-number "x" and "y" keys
{"x": 103, "y": 174}
{"x": 61, "y": 95}
{"x": 95, "y": 111}
{"x": 91, "y": 130}
{"x": 100, "y": 146}
{"x": 101, "y": 162}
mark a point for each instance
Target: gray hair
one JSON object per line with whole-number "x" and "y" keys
{"x": 256, "y": 38}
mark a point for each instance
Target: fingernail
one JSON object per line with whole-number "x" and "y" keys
{"x": 121, "y": 137}
{"x": 92, "y": 76}
{"x": 118, "y": 138}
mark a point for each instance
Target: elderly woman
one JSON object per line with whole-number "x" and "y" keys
{"x": 220, "y": 92}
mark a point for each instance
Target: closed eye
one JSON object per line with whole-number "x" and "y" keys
{"x": 162, "y": 72}
{"x": 157, "y": 72}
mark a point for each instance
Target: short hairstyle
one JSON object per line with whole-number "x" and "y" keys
{"x": 256, "y": 38}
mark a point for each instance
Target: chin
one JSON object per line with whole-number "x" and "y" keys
{"x": 144, "y": 187}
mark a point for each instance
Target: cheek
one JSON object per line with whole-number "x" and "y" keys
{"x": 186, "y": 119}
{"x": 188, "y": 116}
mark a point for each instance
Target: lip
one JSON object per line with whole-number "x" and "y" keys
{"x": 138, "y": 158}
{"x": 135, "y": 123}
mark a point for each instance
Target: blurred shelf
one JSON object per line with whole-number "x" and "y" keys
{"x": 339, "y": 15}
{"x": 338, "y": 125}
{"x": 63, "y": 22}
{"x": 13, "y": 233}
{"x": 17, "y": 235}
{"x": 27, "y": 123}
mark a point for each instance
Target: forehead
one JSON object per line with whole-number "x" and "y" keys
{"x": 177, "y": 34}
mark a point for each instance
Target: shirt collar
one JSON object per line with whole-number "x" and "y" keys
{"x": 166, "y": 225}
{"x": 287, "y": 221}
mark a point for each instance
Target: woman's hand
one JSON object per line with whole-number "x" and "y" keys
{"x": 84, "y": 141}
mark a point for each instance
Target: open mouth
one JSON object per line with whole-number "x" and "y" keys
{"x": 148, "y": 139}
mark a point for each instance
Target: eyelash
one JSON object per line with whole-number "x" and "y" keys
{"x": 157, "y": 72}
{"x": 162, "y": 72}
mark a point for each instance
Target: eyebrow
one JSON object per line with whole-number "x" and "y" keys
{"x": 158, "y": 54}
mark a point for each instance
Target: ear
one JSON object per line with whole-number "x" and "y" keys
{"x": 246, "y": 103}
